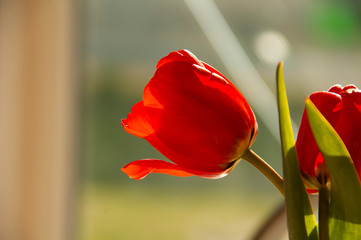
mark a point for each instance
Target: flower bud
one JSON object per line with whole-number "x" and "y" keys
{"x": 341, "y": 106}
{"x": 194, "y": 116}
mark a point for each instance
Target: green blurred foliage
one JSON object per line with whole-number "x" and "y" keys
{"x": 179, "y": 213}
{"x": 335, "y": 23}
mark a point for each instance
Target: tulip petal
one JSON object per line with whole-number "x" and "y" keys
{"x": 349, "y": 127}
{"x": 137, "y": 123}
{"x": 141, "y": 168}
{"x": 197, "y": 120}
{"x": 202, "y": 169}
{"x": 179, "y": 56}
{"x": 329, "y": 104}
{"x": 194, "y": 116}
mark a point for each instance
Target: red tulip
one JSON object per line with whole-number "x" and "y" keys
{"x": 341, "y": 106}
{"x": 194, "y": 116}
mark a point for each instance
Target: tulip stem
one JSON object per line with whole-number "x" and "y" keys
{"x": 265, "y": 169}
{"x": 323, "y": 209}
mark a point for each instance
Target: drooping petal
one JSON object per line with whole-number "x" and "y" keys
{"x": 141, "y": 168}
{"x": 199, "y": 168}
{"x": 137, "y": 123}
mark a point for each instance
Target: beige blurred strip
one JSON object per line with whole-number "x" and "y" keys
{"x": 37, "y": 137}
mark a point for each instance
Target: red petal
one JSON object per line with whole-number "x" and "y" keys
{"x": 198, "y": 114}
{"x": 213, "y": 70}
{"x": 137, "y": 123}
{"x": 206, "y": 169}
{"x": 349, "y": 127}
{"x": 329, "y": 104}
{"x": 194, "y": 116}
{"x": 179, "y": 56}
{"x": 141, "y": 168}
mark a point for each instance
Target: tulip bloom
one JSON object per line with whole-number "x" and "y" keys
{"x": 341, "y": 106}
{"x": 192, "y": 115}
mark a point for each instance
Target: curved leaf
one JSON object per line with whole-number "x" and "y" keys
{"x": 345, "y": 205}
{"x": 300, "y": 218}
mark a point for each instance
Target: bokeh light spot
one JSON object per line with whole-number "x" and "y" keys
{"x": 271, "y": 47}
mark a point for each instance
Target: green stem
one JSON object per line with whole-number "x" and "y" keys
{"x": 265, "y": 169}
{"x": 323, "y": 209}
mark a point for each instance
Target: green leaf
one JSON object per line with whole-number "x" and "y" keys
{"x": 345, "y": 205}
{"x": 300, "y": 218}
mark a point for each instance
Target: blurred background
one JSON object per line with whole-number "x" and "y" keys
{"x": 71, "y": 70}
